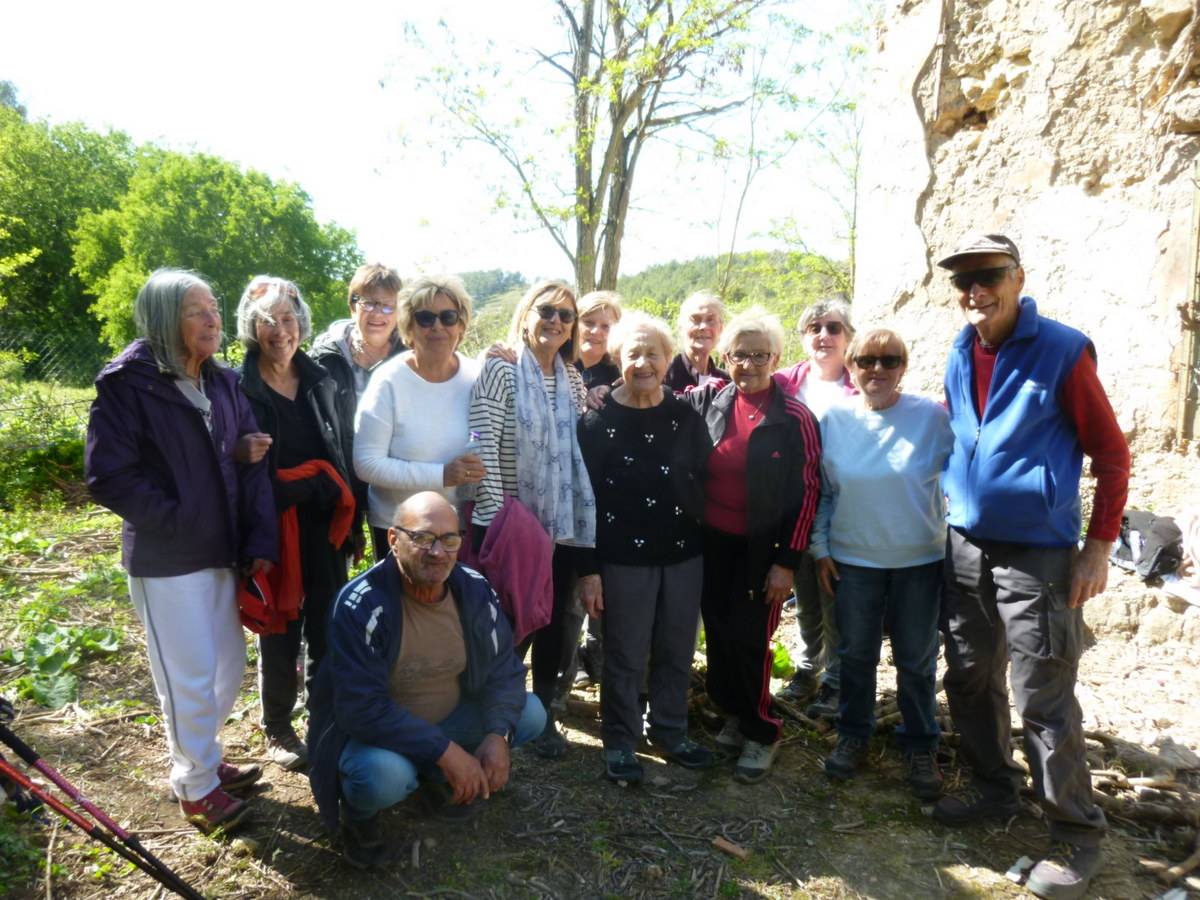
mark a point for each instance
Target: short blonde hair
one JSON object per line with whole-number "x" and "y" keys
{"x": 633, "y": 322}
{"x": 598, "y": 300}
{"x": 421, "y": 293}
{"x": 875, "y": 340}
{"x": 263, "y": 294}
{"x": 371, "y": 276}
{"x": 554, "y": 290}
{"x": 755, "y": 320}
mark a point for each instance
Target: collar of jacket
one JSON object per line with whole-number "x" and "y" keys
{"x": 252, "y": 381}
{"x": 1027, "y": 326}
{"x": 136, "y": 365}
{"x": 722, "y": 405}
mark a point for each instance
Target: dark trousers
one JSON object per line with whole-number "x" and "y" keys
{"x": 906, "y": 601}
{"x": 1007, "y": 603}
{"x": 737, "y": 629}
{"x": 379, "y": 543}
{"x": 650, "y": 614}
{"x": 322, "y": 574}
{"x": 548, "y": 641}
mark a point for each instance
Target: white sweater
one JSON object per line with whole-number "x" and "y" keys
{"x": 881, "y": 499}
{"x": 406, "y": 430}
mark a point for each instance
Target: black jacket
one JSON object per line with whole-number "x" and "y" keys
{"x": 679, "y": 376}
{"x": 783, "y": 475}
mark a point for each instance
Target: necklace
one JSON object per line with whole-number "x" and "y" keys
{"x": 758, "y": 409}
{"x": 359, "y": 350}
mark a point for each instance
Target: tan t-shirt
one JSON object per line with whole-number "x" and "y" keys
{"x": 432, "y": 656}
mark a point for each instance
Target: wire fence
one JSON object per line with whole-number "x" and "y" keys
{"x": 45, "y": 392}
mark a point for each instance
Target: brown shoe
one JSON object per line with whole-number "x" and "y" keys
{"x": 238, "y": 778}
{"x": 214, "y": 810}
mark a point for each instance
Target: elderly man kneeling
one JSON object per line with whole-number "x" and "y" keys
{"x": 419, "y": 682}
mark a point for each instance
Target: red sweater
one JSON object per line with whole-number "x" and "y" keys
{"x": 725, "y": 505}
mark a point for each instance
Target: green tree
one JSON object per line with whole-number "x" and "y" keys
{"x": 204, "y": 213}
{"x": 486, "y": 285}
{"x": 49, "y": 177}
{"x": 8, "y": 97}
{"x": 633, "y": 72}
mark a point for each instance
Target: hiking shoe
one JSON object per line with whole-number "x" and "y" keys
{"x": 622, "y": 765}
{"x": 730, "y": 738}
{"x": 848, "y": 755}
{"x": 802, "y": 686}
{"x": 971, "y": 805}
{"x": 286, "y": 750}
{"x": 755, "y": 761}
{"x": 825, "y": 704}
{"x": 1064, "y": 872}
{"x": 362, "y": 840}
{"x": 214, "y": 810}
{"x": 687, "y": 753}
{"x": 238, "y": 778}
{"x": 551, "y": 743}
{"x": 437, "y": 800}
{"x": 924, "y": 776}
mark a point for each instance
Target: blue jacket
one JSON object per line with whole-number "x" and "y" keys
{"x": 1015, "y": 475}
{"x": 149, "y": 458}
{"x": 350, "y": 696}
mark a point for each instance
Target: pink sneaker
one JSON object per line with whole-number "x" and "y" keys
{"x": 236, "y": 778}
{"x": 215, "y": 810}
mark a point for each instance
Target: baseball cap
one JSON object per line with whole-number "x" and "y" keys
{"x": 976, "y": 243}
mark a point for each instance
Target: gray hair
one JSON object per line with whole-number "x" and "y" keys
{"x": 631, "y": 323}
{"x": 699, "y": 298}
{"x": 156, "y": 315}
{"x": 755, "y": 320}
{"x": 263, "y": 294}
{"x": 421, "y": 293}
{"x": 830, "y": 306}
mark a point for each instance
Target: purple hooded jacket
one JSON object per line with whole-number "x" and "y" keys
{"x": 149, "y": 458}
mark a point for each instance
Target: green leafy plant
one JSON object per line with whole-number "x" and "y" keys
{"x": 50, "y": 657}
{"x": 21, "y": 855}
{"x": 781, "y": 662}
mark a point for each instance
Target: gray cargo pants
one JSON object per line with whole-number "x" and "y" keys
{"x": 1008, "y": 602}
{"x": 818, "y": 625}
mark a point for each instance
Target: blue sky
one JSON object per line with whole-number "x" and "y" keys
{"x": 327, "y": 95}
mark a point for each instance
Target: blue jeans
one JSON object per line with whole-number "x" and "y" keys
{"x": 908, "y": 601}
{"x": 373, "y": 778}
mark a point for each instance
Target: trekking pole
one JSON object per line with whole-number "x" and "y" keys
{"x": 26, "y": 753}
{"x": 163, "y": 876}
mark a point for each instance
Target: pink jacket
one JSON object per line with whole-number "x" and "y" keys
{"x": 515, "y": 559}
{"x": 790, "y": 379}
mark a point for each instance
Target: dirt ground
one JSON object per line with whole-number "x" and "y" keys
{"x": 561, "y": 830}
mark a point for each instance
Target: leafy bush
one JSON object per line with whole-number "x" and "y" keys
{"x": 41, "y": 442}
{"x": 51, "y": 654}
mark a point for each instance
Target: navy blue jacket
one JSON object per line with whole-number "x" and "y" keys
{"x": 1014, "y": 476}
{"x": 350, "y": 694}
{"x": 186, "y": 504}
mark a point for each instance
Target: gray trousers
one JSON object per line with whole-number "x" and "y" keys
{"x": 1008, "y": 603}
{"x": 818, "y": 626}
{"x": 650, "y": 613}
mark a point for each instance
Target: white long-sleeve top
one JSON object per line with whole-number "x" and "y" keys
{"x": 881, "y": 500}
{"x": 406, "y": 430}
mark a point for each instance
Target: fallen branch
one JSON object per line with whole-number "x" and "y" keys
{"x": 727, "y": 846}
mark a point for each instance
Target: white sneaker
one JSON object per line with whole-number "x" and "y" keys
{"x": 755, "y": 761}
{"x": 730, "y": 739}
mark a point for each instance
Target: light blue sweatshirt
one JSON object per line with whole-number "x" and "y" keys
{"x": 881, "y": 502}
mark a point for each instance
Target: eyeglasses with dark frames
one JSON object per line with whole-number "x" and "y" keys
{"x": 373, "y": 305}
{"x": 758, "y": 359}
{"x": 426, "y": 317}
{"x": 964, "y": 281}
{"x": 425, "y": 540}
{"x": 888, "y": 361}
{"x": 830, "y": 328}
{"x": 547, "y": 313}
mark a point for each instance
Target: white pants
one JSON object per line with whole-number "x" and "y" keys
{"x": 197, "y": 657}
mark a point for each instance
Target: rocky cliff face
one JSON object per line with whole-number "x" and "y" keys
{"x": 1074, "y": 127}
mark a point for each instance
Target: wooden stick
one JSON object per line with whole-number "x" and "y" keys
{"x": 727, "y": 846}
{"x": 1177, "y": 871}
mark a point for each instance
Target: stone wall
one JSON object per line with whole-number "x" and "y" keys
{"x": 1074, "y": 127}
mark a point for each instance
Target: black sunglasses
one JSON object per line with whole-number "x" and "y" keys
{"x": 547, "y": 312}
{"x": 983, "y": 277}
{"x": 426, "y": 317}
{"x": 833, "y": 328}
{"x": 868, "y": 361}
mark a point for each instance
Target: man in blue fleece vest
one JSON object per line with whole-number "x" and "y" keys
{"x": 419, "y": 684}
{"x": 1025, "y": 406}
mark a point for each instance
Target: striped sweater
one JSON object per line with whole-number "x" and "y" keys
{"x": 494, "y": 417}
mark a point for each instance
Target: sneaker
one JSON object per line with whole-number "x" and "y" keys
{"x": 238, "y": 778}
{"x": 1065, "y": 872}
{"x": 825, "y": 704}
{"x": 924, "y": 776}
{"x": 971, "y": 805}
{"x": 286, "y": 750}
{"x": 730, "y": 738}
{"x": 802, "y": 686}
{"x": 551, "y": 743}
{"x": 622, "y": 765}
{"x": 362, "y": 841}
{"x": 848, "y": 755}
{"x": 687, "y": 753}
{"x": 437, "y": 800}
{"x": 755, "y": 761}
{"x": 214, "y": 810}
